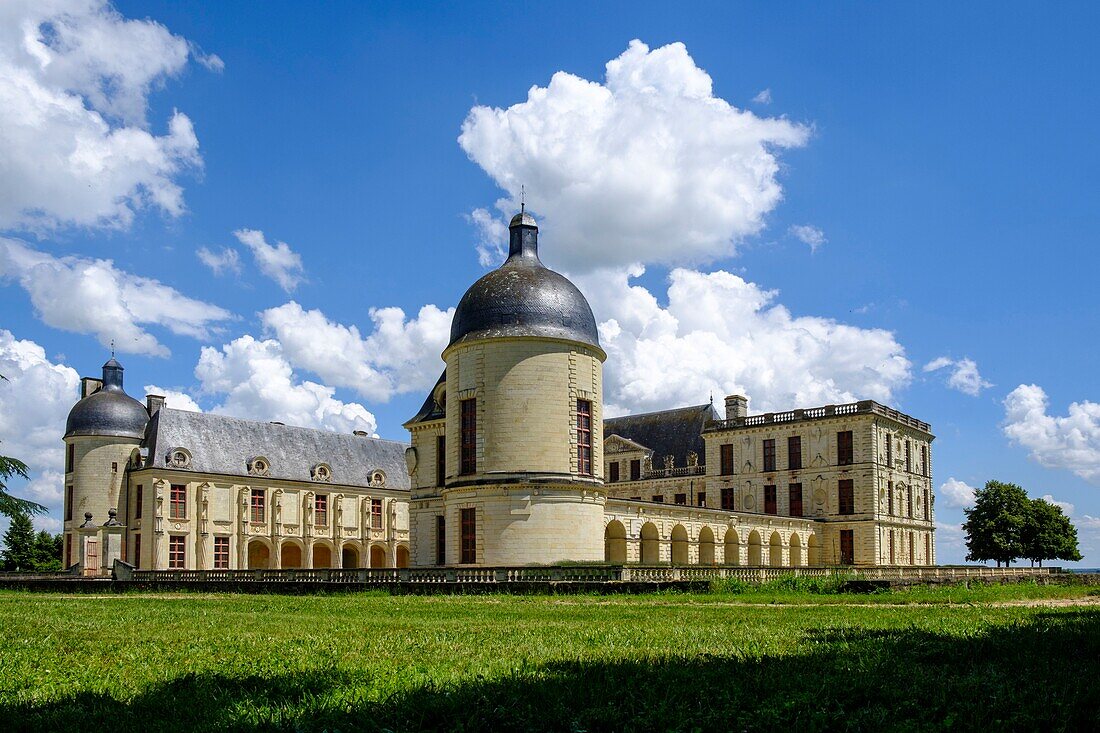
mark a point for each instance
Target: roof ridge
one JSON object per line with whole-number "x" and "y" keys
{"x": 659, "y": 412}
{"x": 277, "y": 424}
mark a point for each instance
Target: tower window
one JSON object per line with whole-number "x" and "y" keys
{"x": 769, "y": 500}
{"x": 725, "y": 459}
{"x": 927, "y": 506}
{"x": 320, "y": 510}
{"x": 468, "y": 544}
{"x": 140, "y": 500}
{"x": 177, "y": 502}
{"x": 68, "y": 502}
{"x": 846, "y": 496}
{"x": 440, "y": 540}
{"x": 440, "y": 460}
{"x": 177, "y": 552}
{"x": 909, "y": 501}
{"x": 794, "y": 452}
{"x": 890, "y": 498}
{"x": 469, "y": 435}
{"x": 70, "y": 460}
{"x": 845, "y": 455}
{"x": 256, "y": 504}
{"x": 584, "y": 437}
{"x": 137, "y": 551}
{"x": 221, "y": 553}
{"x": 769, "y": 454}
{"x": 908, "y": 457}
{"x": 889, "y": 451}
{"x": 795, "y": 492}
{"x": 924, "y": 460}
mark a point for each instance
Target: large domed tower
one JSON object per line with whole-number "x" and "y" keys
{"x": 516, "y": 442}
{"x": 103, "y": 432}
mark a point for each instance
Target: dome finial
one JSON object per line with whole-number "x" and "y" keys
{"x": 522, "y": 200}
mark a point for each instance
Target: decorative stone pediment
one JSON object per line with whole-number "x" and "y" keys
{"x": 619, "y": 444}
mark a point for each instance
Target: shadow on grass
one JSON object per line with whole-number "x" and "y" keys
{"x": 1039, "y": 674}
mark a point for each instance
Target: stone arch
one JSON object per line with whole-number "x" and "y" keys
{"x": 378, "y": 556}
{"x": 813, "y": 546}
{"x": 796, "y": 550}
{"x": 322, "y": 555}
{"x": 614, "y": 542}
{"x": 651, "y": 544}
{"x": 775, "y": 550}
{"x": 755, "y": 558}
{"x": 402, "y": 556}
{"x": 349, "y": 556}
{"x": 732, "y": 544}
{"x": 259, "y": 554}
{"x": 292, "y": 554}
{"x": 679, "y": 545}
{"x": 706, "y": 546}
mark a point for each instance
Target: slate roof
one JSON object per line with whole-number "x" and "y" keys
{"x": 674, "y": 432}
{"x": 224, "y": 445}
{"x": 430, "y": 410}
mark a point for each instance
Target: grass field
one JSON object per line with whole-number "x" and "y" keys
{"x": 751, "y": 660}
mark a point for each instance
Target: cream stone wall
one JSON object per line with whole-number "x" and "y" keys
{"x": 98, "y": 482}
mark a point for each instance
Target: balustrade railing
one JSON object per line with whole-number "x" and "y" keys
{"x": 814, "y": 413}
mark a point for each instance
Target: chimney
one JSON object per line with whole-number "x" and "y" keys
{"x": 360, "y": 433}
{"x": 153, "y": 403}
{"x": 736, "y": 406}
{"x": 89, "y": 385}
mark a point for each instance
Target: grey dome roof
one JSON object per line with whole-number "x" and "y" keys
{"x": 523, "y": 297}
{"x": 109, "y": 411}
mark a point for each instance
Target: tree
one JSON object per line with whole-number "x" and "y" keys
{"x": 47, "y": 551}
{"x": 994, "y": 525}
{"x": 1048, "y": 534}
{"x": 19, "y": 544}
{"x": 12, "y": 505}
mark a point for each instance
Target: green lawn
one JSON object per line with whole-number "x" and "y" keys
{"x": 657, "y": 662}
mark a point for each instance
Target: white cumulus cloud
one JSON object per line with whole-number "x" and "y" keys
{"x": 174, "y": 398}
{"x": 1067, "y": 508}
{"x": 808, "y": 234}
{"x": 258, "y": 382}
{"x": 75, "y": 146}
{"x": 955, "y": 493}
{"x": 95, "y": 297}
{"x": 226, "y": 261}
{"x": 962, "y": 375}
{"x": 1070, "y": 442}
{"x": 400, "y": 355}
{"x": 722, "y": 335}
{"x": 278, "y": 261}
{"x": 648, "y": 166}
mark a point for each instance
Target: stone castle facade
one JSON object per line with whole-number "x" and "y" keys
{"x": 511, "y": 462}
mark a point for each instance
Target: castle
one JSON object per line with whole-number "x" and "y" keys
{"x": 511, "y": 462}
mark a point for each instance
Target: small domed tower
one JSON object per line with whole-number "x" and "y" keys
{"x": 522, "y": 404}
{"x": 102, "y": 433}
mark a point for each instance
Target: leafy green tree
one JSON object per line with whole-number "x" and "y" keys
{"x": 12, "y": 505}
{"x": 47, "y": 551}
{"x": 19, "y": 544}
{"x": 1048, "y": 534}
{"x": 994, "y": 526}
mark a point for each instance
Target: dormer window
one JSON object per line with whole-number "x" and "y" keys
{"x": 321, "y": 472}
{"x": 258, "y": 466}
{"x": 179, "y": 458}
{"x": 377, "y": 478}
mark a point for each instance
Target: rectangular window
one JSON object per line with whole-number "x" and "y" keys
{"x": 68, "y": 502}
{"x": 847, "y": 547}
{"x": 890, "y": 498}
{"x": 927, "y": 550}
{"x": 177, "y": 502}
{"x": 924, "y": 460}
{"x": 725, "y": 454}
{"x": 681, "y": 499}
{"x": 912, "y": 555}
{"x": 140, "y": 499}
{"x": 727, "y": 499}
{"x": 893, "y": 556}
{"x": 769, "y": 454}
{"x": 440, "y": 540}
{"x": 68, "y": 550}
{"x": 908, "y": 458}
{"x": 795, "y": 491}
{"x": 889, "y": 450}
{"x": 469, "y": 436}
{"x": 844, "y": 453}
{"x": 909, "y": 502}
{"x": 769, "y": 500}
{"x": 794, "y": 452}
{"x": 376, "y": 514}
{"x": 846, "y": 496}
{"x": 440, "y": 460}
{"x": 635, "y": 470}
{"x": 177, "y": 552}
{"x": 320, "y": 510}
{"x": 613, "y": 472}
{"x": 584, "y": 437}
{"x": 256, "y": 504}
{"x": 468, "y": 547}
{"x": 221, "y": 553}
{"x": 659, "y": 498}
{"x": 927, "y": 506}
{"x": 635, "y": 498}
{"x": 70, "y": 460}
{"x": 702, "y": 498}
{"x": 137, "y": 551}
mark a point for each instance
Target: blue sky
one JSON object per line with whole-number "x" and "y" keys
{"x": 942, "y": 158}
